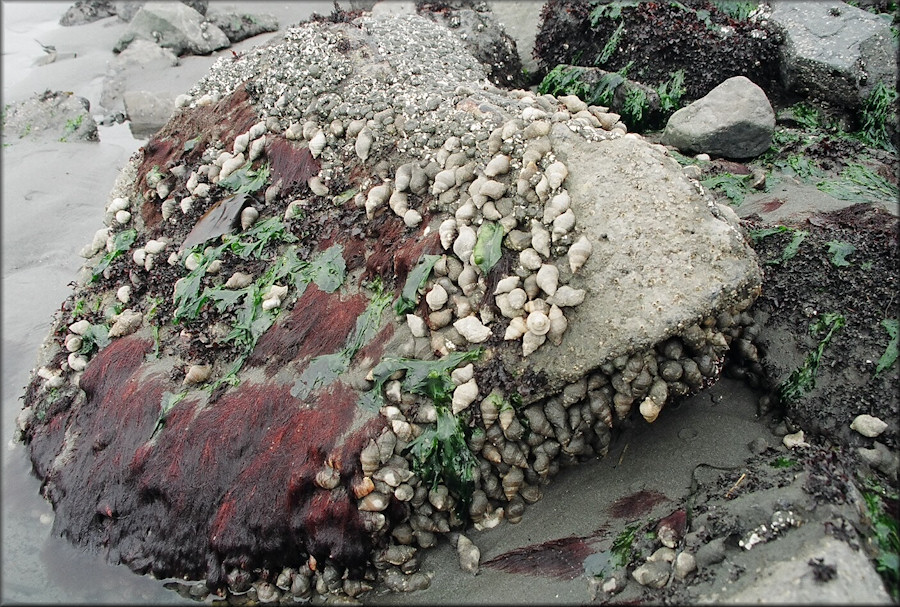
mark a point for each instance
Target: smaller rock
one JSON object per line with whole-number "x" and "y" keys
{"x": 758, "y": 445}
{"x": 868, "y": 425}
{"x": 654, "y": 574}
{"x": 881, "y": 458}
{"x": 794, "y": 440}
{"x": 240, "y": 26}
{"x": 711, "y": 553}
{"x": 685, "y": 564}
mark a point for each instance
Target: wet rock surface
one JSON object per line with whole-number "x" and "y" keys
{"x": 174, "y": 26}
{"x": 264, "y": 361}
{"x": 54, "y": 115}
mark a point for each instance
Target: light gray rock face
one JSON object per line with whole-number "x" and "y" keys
{"x": 126, "y": 69}
{"x": 834, "y": 51}
{"x": 240, "y": 26}
{"x": 734, "y": 120}
{"x": 87, "y": 11}
{"x": 174, "y": 26}
{"x": 521, "y": 20}
{"x": 147, "y": 111}
{"x": 51, "y": 115}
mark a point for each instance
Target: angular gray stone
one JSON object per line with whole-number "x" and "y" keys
{"x": 50, "y": 116}
{"x": 239, "y": 25}
{"x": 147, "y": 111}
{"x": 734, "y": 120}
{"x": 834, "y": 51}
{"x": 521, "y": 20}
{"x": 126, "y": 70}
{"x": 87, "y": 11}
{"x": 174, "y": 26}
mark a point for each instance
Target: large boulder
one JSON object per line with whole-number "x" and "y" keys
{"x": 734, "y": 120}
{"x": 240, "y": 25}
{"x": 87, "y": 11}
{"x": 127, "y": 70}
{"x": 174, "y": 26}
{"x": 345, "y": 303}
{"x": 835, "y": 52}
{"x": 50, "y": 116}
{"x": 147, "y": 111}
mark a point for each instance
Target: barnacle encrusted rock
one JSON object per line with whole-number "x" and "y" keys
{"x": 314, "y": 382}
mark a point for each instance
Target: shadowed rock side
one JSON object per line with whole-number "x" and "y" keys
{"x": 353, "y": 296}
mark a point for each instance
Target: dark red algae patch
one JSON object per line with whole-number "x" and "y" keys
{"x": 636, "y": 505}
{"x": 561, "y": 559}
{"x": 319, "y": 323}
{"x": 291, "y": 164}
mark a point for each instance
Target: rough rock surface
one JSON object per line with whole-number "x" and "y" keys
{"x": 147, "y": 111}
{"x": 121, "y": 75}
{"x": 54, "y": 115}
{"x": 174, "y": 26}
{"x": 734, "y": 120}
{"x": 521, "y": 20}
{"x": 834, "y": 51}
{"x": 240, "y": 26}
{"x": 234, "y": 418}
{"x": 86, "y": 11}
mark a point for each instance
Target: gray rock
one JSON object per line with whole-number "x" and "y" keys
{"x": 521, "y": 20}
{"x": 87, "y": 11}
{"x": 734, "y": 120}
{"x": 710, "y": 553}
{"x": 50, "y": 116}
{"x": 834, "y": 51}
{"x": 654, "y": 574}
{"x": 174, "y": 26}
{"x": 881, "y": 458}
{"x": 240, "y": 26}
{"x": 147, "y": 111}
{"x": 126, "y": 69}
{"x": 127, "y": 9}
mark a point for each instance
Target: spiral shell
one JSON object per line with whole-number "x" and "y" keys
{"x": 548, "y": 278}
{"x": 512, "y": 482}
{"x": 558, "y": 325}
{"x": 492, "y": 189}
{"x": 168, "y": 208}
{"x": 530, "y": 259}
{"x": 392, "y": 475}
{"x": 127, "y": 322}
{"x": 197, "y": 374}
{"x": 469, "y": 555}
{"x": 489, "y": 410}
{"x": 556, "y": 173}
{"x": 447, "y": 232}
{"x": 248, "y": 217}
{"x": 443, "y": 181}
{"x": 563, "y": 224}
{"x": 579, "y": 252}
{"x": 465, "y": 243}
{"x": 567, "y": 296}
{"x": 403, "y": 176}
{"x": 376, "y": 197}
{"x": 362, "y": 487}
{"x": 650, "y": 409}
{"x": 466, "y": 212}
{"x": 257, "y": 148}
{"x": 363, "y": 145}
{"x": 542, "y": 189}
{"x": 507, "y": 284}
{"x": 238, "y": 280}
{"x": 538, "y": 323}
{"x": 436, "y": 297}
{"x": 231, "y": 165}
{"x": 464, "y": 395}
{"x": 499, "y": 165}
{"x": 374, "y": 502}
{"x": 327, "y": 477}
{"x": 317, "y": 144}
{"x": 516, "y": 328}
{"x": 369, "y": 458}
{"x": 399, "y": 202}
{"x": 531, "y": 342}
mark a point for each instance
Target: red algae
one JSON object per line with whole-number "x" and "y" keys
{"x": 636, "y": 504}
{"x": 291, "y": 164}
{"x": 561, "y": 558}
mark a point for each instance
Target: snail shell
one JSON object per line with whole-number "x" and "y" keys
{"x": 507, "y": 284}
{"x": 416, "y": 325}
{"x": 531, "y": 342}
{"x": 542, "y": 189}
{"x": 412, "y": 218}
{"x": 467, "y": 280}
{"x": 461, "y": 375}
{"x": 650, "y": 409}
{"x": 492, "y": 189}
{"x": 472, "y": 329}
{"x": 369, "y": 458}
{"x": 489, "y": 211}
{"x": 516, "y": 328}
{"x": 76, "y": 363}
{"x": 238, "y": 280}
{"x": 548, "y": 278}
{"x": 447, "y": 232}
{"x": 248, "y": 217}
{"x": 443, "y": 181}
{"x": 403, "y": 429}
{"x": 530, "y": 259}
{"x": 540, "y": 238}
{"x": 536, "y": 305}
{"x": 399, "y": 202}
{"x": 464, "y": 395}
{"x": 466, "y": 212}
{"x": 257, "y": 148}
{"x": 363, "y": 145}
{"x": 436, "y": 297}
{"x": 566, "y": 296}
{"x": 558, "y": 325}
{"x": 393, "y": 476}
{"x": 538, "y": 323}
{"x": 556, "y": 173}
{"x": 489, "y": 411}
{"x": 538, "y": 423}
{"x": 376, "y": 197}
{"x": 465, "y": 243}
{"x": 469, "y": 555}
{"x": 127, "y": 322}
{"x": 197, "y": 374}
{"x": 499, "y": 165}
{"x": 404, "y": 492}
{"x": 563, "y": 224}
{"x": 363, "y": 487}
{"x": 374, "y": 502}
{"x": 317, "y": 144}
{"x": 186, "y": 205}
{"x": 327, "y": 477}
{"x": 579, "y": 252}
{"x": 512, "y": 482}
{"x": 230, "y": 165}
{"x": 402, "y": 176}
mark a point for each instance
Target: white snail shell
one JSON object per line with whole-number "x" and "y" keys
{"x": 579, "y": 252}
{"x": 248, "y": 217}
{"x": 558, "y": 325}
{"x": 563, "y": 224}
{"x": 465, "y": 243}
{"x": 402, "y": 177}
{"x": 399, "y": 202}
{"x": 238, "y": 280}
{"x": 531, "y": 342}
{"x": 436, "y": 297}
{"x": 567, "y": 296}
{"x": 447, "y": 232}
{"x": 416, "y": 325}
{"x": 556, "y": 173}
{"x": 530, "y": 259}
{"x": 540, "y": 238}
{"x": 471, "y": 328}
{"x": 507, "y": 284}
{"x": 443, "y": 181}
{"x": 377, "y": 196}
{"x": 257, "y": 148}
{"x": 556, "y": 206}
{"x": 317, "y": 143}
{"x": 469, "y": 555}
{"x": 464, "y": 395}
{"x": 467, "y": 280}
{"x": 127, "y": 322}
{"x": 499, "y": 165}
{"x": 516, "y": 328}
{"x": 548, "y": 278}
{"x": 538, "y": 323}
{"x": 197, "y": 374}
{"x": 492, "y": 189}
{"x": 363, "y": 143}
{"x": 650, "y": 409}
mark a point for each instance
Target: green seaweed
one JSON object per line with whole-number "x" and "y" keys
{"x": 169, "y": 400}
{"x": 94, "y": 338}
{"x": 839, "y": 251}
{"x": 246, "y": 179}
{"x": 415, "y": 281}
{"x": 889, "y": 357}
{"x": 885, "y": 534}
{"x": 622, "y": 545}
{"x": 803, "y": 378}
{"x": 733, "y": 186}
{"x": 488, "y": 246}
{"x": 121, "y": 243}
{"x": 792, "y": 247}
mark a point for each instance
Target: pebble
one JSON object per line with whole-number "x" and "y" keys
{"x": 711, "y": 553}
{"x": 685, "y": 564}
{"x": 867, "y": 425}
{"x": 758, "y": 445}
{"x": 654, "y": 574}
{"x": 794, "y": 440}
